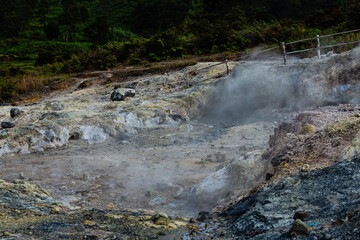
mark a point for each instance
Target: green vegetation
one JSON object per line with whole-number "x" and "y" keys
{"x": 48, "y": 37}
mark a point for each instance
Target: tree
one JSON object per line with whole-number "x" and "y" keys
{"x": 14, "y": 15}
{"x": 155, "y": 16}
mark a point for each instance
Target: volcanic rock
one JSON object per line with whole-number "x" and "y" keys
{"x": 274, "y": 217}
{"x": 74, "y": 136}
{"x": 26, "y": 206}
{"x": 301, "y": 228}
{"x": 129, "y": 93}
{"x": 177, "y": 117}
{"x": 161, "y": 219}
{"x": 301, "y": 215}
{"x": 7, "y": 125}
{"x": 117, "y": 96}
{"x": 14, "y": 112}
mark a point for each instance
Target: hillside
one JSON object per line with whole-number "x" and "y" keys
{"x": 49, "y": 39}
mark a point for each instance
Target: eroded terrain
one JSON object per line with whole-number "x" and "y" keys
{"x": 188, "y": 141}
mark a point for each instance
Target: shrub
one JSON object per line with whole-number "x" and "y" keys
{"x": 7, "y": 88}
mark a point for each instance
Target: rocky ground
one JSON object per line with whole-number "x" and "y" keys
{"x": 182, "y": 143}
{"x": 28, "y": 212}
{"x": 320, "y": 204}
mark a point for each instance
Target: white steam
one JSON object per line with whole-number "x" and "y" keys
{"x": 261, "y": 90}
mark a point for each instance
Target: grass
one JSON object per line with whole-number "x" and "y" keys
{"x": 16, "y": 67}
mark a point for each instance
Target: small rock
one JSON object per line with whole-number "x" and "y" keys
{"x": 56, "y": 210}
{"x": 301, "y": 228}
{"x": 7, "y": 125}
{"x": 203, "y": 216}
{"x": 117, "y": 96}
{"x": 14, "y": 112}
{"x": 177, "y": 117}
{"x": 192, "y": 220}
{"x": 129, "y": 93}
{"x": 110, "y": 205}
{"x": 162, "y": 214}
{"x": 172, "y": 226}
{"x": 305, "y": 168}
{"x": 90, "y": 223}
{"x": 301, "y": 215}
{"x": 21, "y": 175}
{"x": 160, "y": 219}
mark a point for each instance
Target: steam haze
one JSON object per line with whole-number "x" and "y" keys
{"x": 262, "y": 91}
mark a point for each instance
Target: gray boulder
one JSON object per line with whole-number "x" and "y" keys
{"x": 117, "y": 96}
{"x": 121, "y": 93}
{"x": 14, "y": 112}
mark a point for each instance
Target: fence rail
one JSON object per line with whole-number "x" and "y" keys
{"x": 340, "y": 33}
{"x": 285, "y": 53}
{"x": 318, "y": 47}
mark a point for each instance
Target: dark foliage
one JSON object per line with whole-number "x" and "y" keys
{"x": 75, "y": 35}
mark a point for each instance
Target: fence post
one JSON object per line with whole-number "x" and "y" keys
{"x": 284, "y": 52}
{"x": 227, "y": 67}
{"x": 318, "y": 46}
